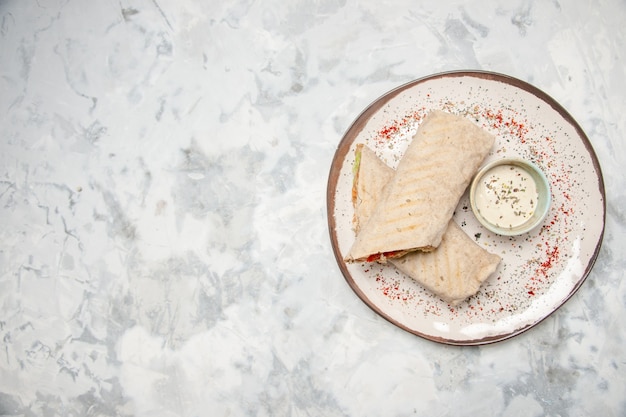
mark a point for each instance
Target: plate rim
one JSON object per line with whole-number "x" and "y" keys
{"x": 357, "y": 126}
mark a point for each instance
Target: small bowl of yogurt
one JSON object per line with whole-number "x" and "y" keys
{"x": 510, "y": 196}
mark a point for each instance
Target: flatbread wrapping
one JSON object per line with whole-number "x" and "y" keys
{"x": 455, "y": 270}
{"x": 418, "y": 201}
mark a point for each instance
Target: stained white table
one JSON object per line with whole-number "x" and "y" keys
{"x": 163, "y": 239}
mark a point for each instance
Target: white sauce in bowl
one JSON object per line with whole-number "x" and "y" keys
{"x": 506, "y": 196}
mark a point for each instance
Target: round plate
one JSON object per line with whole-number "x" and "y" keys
{"x": 540, "y": 270}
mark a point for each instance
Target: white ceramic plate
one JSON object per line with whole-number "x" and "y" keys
{"x": 540, "y": 270}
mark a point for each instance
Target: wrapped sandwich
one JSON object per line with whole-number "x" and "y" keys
{"x": 413, "y": 210}
{"x": 454, "y": 271}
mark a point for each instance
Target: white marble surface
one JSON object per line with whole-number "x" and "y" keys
{"x": 163, "y": 239}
